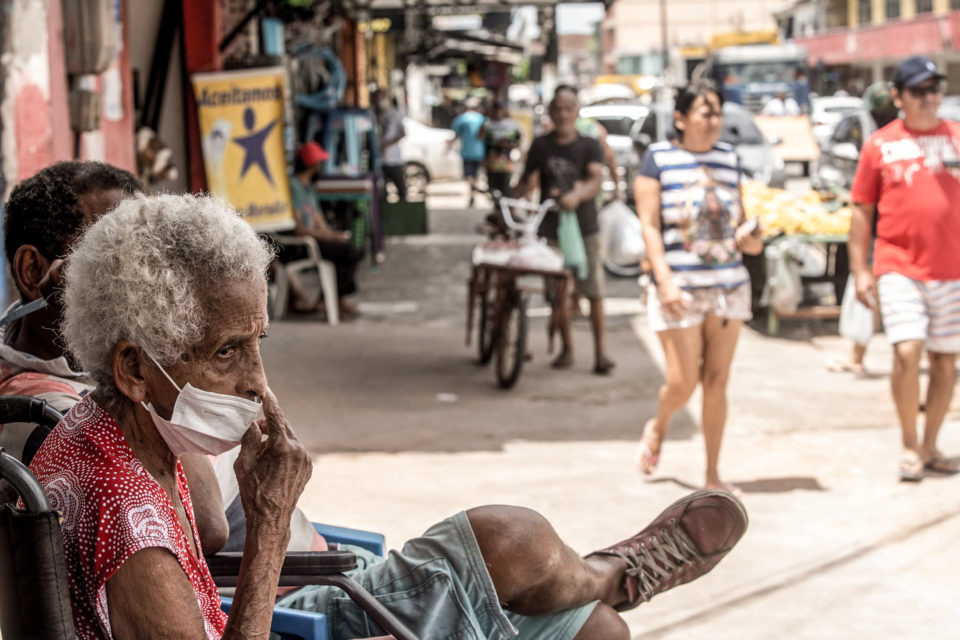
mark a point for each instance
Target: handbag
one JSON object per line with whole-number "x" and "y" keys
{"x": 570, "y": 242}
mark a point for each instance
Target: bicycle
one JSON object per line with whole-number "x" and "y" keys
{"x": 512, "y": 251}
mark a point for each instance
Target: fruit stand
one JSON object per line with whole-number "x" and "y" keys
{"x": 809, "y": 218}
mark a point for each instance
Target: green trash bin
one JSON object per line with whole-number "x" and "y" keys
{"x": 404, "y": 218}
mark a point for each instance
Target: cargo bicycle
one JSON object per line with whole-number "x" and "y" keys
{"x": 500, "y": 290}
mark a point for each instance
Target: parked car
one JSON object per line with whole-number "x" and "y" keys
{"x": 620, "y": 121}
{"x": 428, "y": 156}
{"x": 826, "y": 113}
{"x": 758, "y": 157}
{"x": 837, "y": 165}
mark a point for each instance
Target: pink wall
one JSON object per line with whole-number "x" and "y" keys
{"x": 41, "y": 114}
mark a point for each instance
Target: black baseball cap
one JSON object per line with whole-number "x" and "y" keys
{"x": 916, "y": 70}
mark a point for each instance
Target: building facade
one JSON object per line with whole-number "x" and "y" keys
{"x": 862, "y": 41}
{"x": 633, "y": 30}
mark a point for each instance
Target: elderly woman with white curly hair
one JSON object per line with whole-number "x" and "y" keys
{"x": 165, "y": 309}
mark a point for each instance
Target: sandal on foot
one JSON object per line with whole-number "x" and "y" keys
{"x": 562, "y": 361}
{"x": 647, "y": 460}
{"x": 845, "y": 366}
{"x": 604, "y": 366}
{"x": 941, "y": 464}
{"x": 910, "y": 468}
{"x": 732, "y": 489}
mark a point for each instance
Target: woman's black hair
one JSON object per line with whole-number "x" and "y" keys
{"x": 689, "y": 94}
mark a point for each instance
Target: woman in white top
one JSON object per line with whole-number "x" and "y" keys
{"x": 688, "y": 196}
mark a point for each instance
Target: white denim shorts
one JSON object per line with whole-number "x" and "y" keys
{"x": 928, "y": 311}
{"x": 709, "y": 301}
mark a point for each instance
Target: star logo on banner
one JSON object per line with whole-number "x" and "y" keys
{"x": 253, "y": 144}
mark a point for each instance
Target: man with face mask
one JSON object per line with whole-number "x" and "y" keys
{"x": 334, "y": 246}
{"x": 42, "y": 218}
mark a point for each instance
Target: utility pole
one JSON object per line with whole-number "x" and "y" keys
{"x": 663, "y": 36}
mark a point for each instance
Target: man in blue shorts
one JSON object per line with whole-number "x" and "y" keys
{"x": 467, "y": 126}
{"x": 499, "y": 572}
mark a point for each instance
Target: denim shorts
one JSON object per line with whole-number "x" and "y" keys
{"x": 438, "y": 585}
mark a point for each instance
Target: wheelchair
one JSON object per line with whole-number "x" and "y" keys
{"x": 34, "y": 594}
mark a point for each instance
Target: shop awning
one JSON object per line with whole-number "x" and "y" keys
{"x": 892, "y": 41}
{"x": 454, "y": 5}
{"x": 457, "y": 44}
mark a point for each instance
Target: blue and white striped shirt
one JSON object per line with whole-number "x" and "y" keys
{"x": 699, "y": 210}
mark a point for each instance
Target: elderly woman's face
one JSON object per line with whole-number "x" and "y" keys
{"x": 227, "y": 359}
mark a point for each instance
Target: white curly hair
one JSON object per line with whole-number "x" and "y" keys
{"x": 141, "y": 272}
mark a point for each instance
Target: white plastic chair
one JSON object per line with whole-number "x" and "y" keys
{"x": 313, "y": 274}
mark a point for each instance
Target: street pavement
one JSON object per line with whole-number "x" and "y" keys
{"x": 405, "y": 429}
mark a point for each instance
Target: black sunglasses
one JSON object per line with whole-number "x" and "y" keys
{"x": 919, "y": 92}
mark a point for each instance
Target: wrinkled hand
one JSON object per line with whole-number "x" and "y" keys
{"x": 569, "y": 201}
{"x": 866, "y": 285}
{"x": 271, "y": 471}
{"x": 674, "y": 300}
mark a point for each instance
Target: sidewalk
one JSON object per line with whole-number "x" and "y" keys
{"x": 406, "y": 429}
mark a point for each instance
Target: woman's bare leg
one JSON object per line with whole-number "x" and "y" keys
{"x": 683, "y": 351}
{"x": 720, "y": 342}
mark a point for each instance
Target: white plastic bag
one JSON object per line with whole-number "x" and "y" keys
{"x": 621, "y": 233}
{"x": 784, "y": 289}
{"x": 537, "y": 255}
{"x": 856, "y": 320}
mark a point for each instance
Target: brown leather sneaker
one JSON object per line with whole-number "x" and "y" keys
{"x": 683, "y": 543}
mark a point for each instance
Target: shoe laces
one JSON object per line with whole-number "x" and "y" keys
{"x": 658, "y": 558}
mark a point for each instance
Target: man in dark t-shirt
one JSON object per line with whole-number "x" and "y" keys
{"x": 568, "y": 167}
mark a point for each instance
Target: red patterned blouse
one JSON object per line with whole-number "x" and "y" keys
{"x": 112, "y": 508}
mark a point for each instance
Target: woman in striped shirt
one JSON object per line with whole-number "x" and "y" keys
{"x": 688, "y": 196}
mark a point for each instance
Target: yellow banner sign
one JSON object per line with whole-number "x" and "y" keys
{"x": 241, "y": 132}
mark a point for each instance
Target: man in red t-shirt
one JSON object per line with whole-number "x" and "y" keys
{"x": 910, "y": 171}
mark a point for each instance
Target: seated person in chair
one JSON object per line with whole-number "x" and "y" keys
{"x": 42, "y": 218}
{"x": 44, "y": 215}
{"x": 180, "y": 314}
{"x": 334, "y": 246}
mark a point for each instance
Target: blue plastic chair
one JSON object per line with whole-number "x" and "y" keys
{"x": 292, "y": 624}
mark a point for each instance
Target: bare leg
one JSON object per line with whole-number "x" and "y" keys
{"x": 905, "y": 386}
{"x": 602, "y": 364}
{"x": 472, "y": 183}
{"x": 683, "y": 349}
{"x": 939, "y": 394}
{"x": 720, "y": 342}
{"x": 533, "y": 571}
{"x": 565, "y": 358}
{"x": 857, "y": 354}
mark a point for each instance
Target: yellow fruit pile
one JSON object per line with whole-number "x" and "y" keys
{"x": 782, "y": 212}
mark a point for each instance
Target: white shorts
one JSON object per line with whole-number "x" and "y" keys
{"x": 928, "y": 311}
{"x": 709, "y": 301}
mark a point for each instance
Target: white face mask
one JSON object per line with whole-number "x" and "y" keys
{"x": 203, "y": 421}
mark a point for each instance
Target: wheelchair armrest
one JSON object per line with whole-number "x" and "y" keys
{"x": 299, "y": 567}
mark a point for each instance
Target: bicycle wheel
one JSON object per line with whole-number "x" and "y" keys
{"x": 512, "y": 342}
{"x": 486, "y": 327}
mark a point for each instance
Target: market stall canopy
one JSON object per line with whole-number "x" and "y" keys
{"x": 457, "y": 44}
